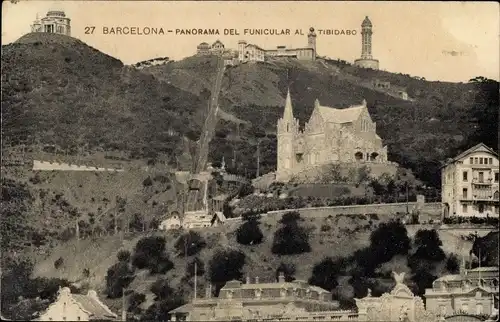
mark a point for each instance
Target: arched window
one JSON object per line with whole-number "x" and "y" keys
{"x": 495, "y": 195}
{"x": 358, "y": 156}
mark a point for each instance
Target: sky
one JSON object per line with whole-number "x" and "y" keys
{"x": 445, "y": 41}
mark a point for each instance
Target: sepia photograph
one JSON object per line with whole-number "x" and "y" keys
{"x": 250, "y": 161}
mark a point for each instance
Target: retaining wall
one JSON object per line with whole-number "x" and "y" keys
{"x": 431, "y": 209}
{"x": 57, "y": 166}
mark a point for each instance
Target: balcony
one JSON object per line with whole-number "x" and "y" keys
{"x": 482, "y": 182}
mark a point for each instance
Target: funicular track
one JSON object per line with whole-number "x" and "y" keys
{"x": 195, "y": 200}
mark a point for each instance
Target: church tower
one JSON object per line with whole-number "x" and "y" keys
{"x": 366, "y": 60}
{"x": 311, "y": 40}
{"x": 287, "y": 132}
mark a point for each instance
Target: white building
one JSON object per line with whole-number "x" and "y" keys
{"x": 469, "y": 183}
{"x": 193, "y": 220}
{"x": 54, "y": 22}
{"x": 77, "y": 307}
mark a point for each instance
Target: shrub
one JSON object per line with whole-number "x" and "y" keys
{"x": 190, "y": 243}
{"x": 147, "y": 182}
{"x": 325, "y": 228}
{"x": 245, "y": 190}
{"x": 249, "y": 233}
{"x": 58, "y": 263}
{"x": 123, "y": 255}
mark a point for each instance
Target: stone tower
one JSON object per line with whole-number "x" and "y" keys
{"x": 287, "y": 132}
{"x": 366, "y": 60}
{"x": 311, "y": 40}
{"x": 366, "y": 39}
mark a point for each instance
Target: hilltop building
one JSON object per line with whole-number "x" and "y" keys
{"x": 54, "y": 22}
{"x": 251, "y": 52}
{"x": 469, "y": 183}
{"x": 330, "y": 136}
{"x": 473, "y": 291}
{"x": 366, "y": 60}
{"x": 77, "y": 307}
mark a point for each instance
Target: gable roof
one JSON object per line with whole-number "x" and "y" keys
{"x": 89, "y": 303}
{"x": 471, "y": 150}
{"x": 339, "y": 116}
{"x": 96, "y": 309}
{"x": 218, "y": 42}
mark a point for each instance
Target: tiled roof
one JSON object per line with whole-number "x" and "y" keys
{"x": 450, "y": 278}
{"x": 96, "y": 310}
{"x": 186, "y": 308}
{"x": 469, "y": 151}
{"x": 346, "y": 115}
{"x": 484, "y": 269}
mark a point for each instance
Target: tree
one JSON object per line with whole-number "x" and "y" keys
{"x": 190, "y": 243}
{"x": 249, "y": 232}
{"x": 428, "y": 246}
{"x": 484, "y": 113}
{"x": 326, "y": 272}
{"x": 162, "y": 290}
{"x": 119, "y": 276}
{"x": 290, "y": 238}
{"x": 388, "y": 240}
{"x": 486, "y": 248}
{"x": 150, "y": 254}
{"x": 225, "y": 265}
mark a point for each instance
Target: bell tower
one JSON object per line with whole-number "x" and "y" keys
{"x": 287, "y": 132}
{"x": 311, "y": 40}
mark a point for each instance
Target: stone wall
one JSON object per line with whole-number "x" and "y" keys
{"x": 57, "y": 166}
{"x": 430, "y": 209}
{"x": 379, "y": 209}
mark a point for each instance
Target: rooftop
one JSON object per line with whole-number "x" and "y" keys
{"x": 335, "y": 115}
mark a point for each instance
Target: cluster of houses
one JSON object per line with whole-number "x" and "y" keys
{"x": 471, "y": 295}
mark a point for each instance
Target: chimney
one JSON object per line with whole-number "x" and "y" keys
{"x": 248, "y": 280}
{"x": 281, "y": 278}
{"x": 256, "y": 280}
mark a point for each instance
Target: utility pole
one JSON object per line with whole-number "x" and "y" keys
{"x": 124, "y": 308}
{"x": 195, "y": 278}
{"x": 406, "y": 184}
{"x": 258, "y": 158}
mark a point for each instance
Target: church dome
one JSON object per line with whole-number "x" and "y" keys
{"x": 203, "y": 45}
{"x": 56, "y": 13}
{"x": 366, "y": 22}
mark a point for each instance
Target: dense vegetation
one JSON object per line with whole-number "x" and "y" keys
{"x": 59, "y": 91}
{"x": 370, "y": 268}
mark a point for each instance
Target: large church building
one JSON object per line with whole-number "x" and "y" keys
{"x": 330, "y": 136}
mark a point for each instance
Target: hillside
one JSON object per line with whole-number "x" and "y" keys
{"x": 59, "y": 91}
{"x": 338, "y": 237}
{"x": 440, "y": 121}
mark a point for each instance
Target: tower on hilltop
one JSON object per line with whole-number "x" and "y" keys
{"x": 366, "y": 60}
{"x": 311, "y": 40}
{"x": 288, "y": 130}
